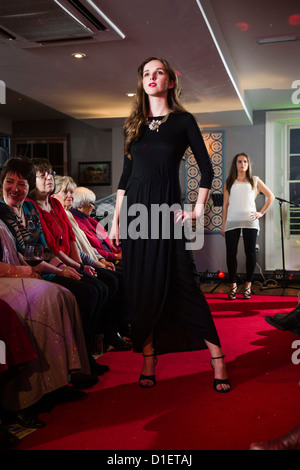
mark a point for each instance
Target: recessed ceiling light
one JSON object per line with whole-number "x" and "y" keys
{"x": 130, "y": 95}
{"x": 78, "y": 55}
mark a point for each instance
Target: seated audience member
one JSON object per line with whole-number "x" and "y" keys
{"x": 81, "y": 209}
{"x": 50, "y": 316}
{"x": 288, "y": 441}
{"x": 286, "y": 322}
{"x": 64, "y": 191}
{"x": 61, "y": 240}
{"x": 16, "y": 350}
{"x": 18, "y": 347}
{"x": 18, "y": 176}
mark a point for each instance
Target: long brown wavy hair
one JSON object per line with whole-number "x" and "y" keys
{"x": 139, "y": 114}
{"x": 233, "y": 172}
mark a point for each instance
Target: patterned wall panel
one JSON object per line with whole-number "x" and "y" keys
{"x": 214, "y": 142}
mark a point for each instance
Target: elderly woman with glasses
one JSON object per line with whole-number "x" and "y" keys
{"x": 82, "y": 207}
{"x": 58, "y": 234}
{"x": 61, "y": 240}
{"x": 64, "y": 190}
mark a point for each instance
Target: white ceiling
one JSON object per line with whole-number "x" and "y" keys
{"x": 223, "y": 79}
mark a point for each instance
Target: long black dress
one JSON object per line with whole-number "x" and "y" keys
{"x": 161, "y": 281}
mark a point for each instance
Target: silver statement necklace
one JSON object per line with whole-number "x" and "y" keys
{"x": 155, "y": 123}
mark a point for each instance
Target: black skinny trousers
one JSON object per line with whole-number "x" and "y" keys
{"x": 232, "y": 238}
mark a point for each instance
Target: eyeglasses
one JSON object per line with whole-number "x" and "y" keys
{"x": 46, "y": 174}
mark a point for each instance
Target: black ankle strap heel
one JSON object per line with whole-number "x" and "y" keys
{"x": 149, "y": 378}
{"x": 220, "y": 381}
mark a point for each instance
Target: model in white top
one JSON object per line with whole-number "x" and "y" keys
{"x": 240, "y": 215}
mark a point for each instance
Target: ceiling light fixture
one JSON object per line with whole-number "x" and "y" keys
{"x": 74, "y": 17}
{"x": 226, "y": 59}
{"x": 100, "y": 12}
{"x": 130, "y": 95}
{"x": 273, "y": 39}
{"x": 78, "y": 55}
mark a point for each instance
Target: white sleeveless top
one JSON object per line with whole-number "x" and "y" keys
{"x": 241, "y": 204}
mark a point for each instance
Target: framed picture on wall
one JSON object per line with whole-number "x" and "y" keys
{"x": 94, "y": 173}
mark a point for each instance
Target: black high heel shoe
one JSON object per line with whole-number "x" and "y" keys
{"x": 150, "y": 378}
{"x": 247, "y": 293}
{"x": 220, "y": 381}
{"x": 232, "y": 293}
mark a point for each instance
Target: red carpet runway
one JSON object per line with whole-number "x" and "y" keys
{"x": 183, "y": 412}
